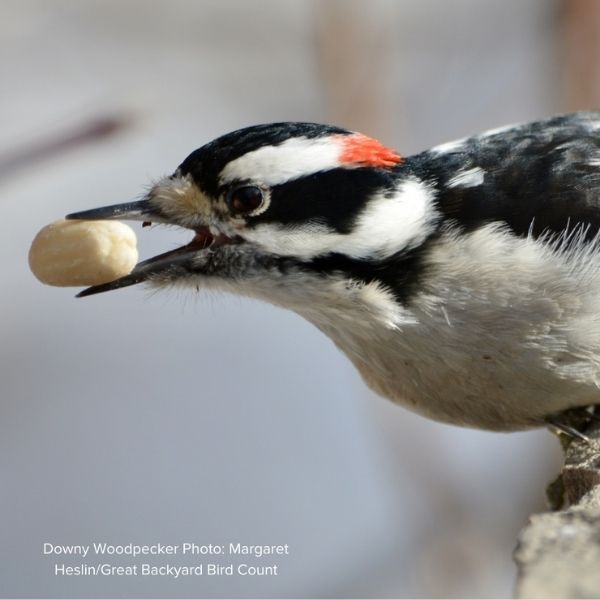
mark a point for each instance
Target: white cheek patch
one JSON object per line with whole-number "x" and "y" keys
{"x": 294, "y": 158}
{"x": 389, "y": 223}
{"x": 303, "y": 241}
{"x": 467, "y": 178}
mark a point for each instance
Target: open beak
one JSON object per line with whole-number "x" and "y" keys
{"x": 173, "y": 261}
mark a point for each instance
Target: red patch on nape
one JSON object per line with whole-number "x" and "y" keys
{"x": 359, "y": 149}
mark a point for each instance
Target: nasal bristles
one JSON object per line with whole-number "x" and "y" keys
{"x": 359, "y": 149}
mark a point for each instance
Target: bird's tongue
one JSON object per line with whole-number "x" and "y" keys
{"x": 203, "y": 238}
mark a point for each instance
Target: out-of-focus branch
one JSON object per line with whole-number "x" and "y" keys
{"x": 581, "y": 53}
{"x": 86, "y": 133}
{"x": 558, "y": 553}
{"x": 353, "y": 58}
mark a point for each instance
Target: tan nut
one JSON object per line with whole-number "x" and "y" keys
{"x": 76, "y": 253}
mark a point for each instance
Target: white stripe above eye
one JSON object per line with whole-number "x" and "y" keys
{"x": 390, "y": 223}
{"x": 294, "y": 158}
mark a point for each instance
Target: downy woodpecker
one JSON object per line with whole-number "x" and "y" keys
{"x": 462, "y": 282}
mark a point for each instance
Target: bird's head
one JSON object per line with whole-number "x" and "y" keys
{"x": 276, "y": 201}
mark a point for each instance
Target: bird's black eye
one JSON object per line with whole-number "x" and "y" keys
{"x": 246, "y": 200}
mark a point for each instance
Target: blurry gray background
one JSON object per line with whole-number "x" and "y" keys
{"x": 171, "y": 417}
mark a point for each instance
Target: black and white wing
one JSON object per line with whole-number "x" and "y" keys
{"x": 537, "y": 177}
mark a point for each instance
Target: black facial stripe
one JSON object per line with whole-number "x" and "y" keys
{"x": 206, "y": 163}
{"x": 333, "y": 198}
{"x": 399, "y": 273}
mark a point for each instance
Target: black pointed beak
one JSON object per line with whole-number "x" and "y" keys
{"x": 170, "y": 263}
{"x": 141, "y": 210}
{"x": 173, "y": 262}
{"x": 132, "y": 211}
